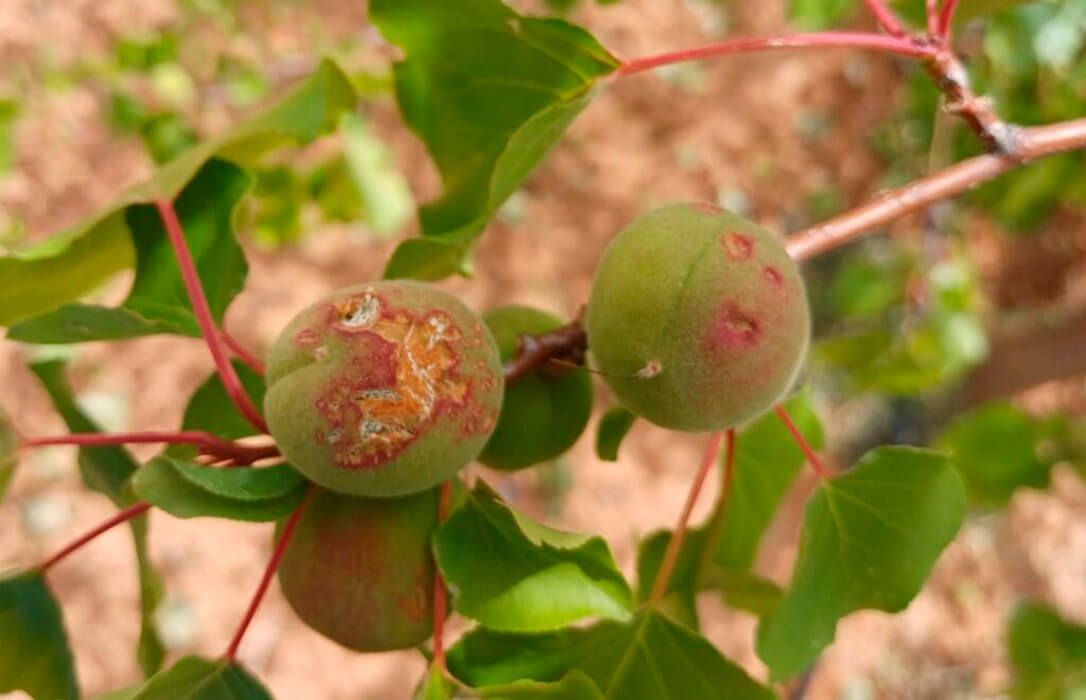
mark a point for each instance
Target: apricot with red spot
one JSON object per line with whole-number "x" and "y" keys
{"x": 359, "y": 570}
{"x": 546, "y": 410}
{"x": 698, "y": 318}
{"x": 383, "y": 389}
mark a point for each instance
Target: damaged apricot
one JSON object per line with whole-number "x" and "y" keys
{"x": 698, "y": 318}
{"x": 546, "y": 410}
{"x": 359, "y": 570}
{"x": 383, "y": 389}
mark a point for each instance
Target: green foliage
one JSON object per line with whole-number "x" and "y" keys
{"x": 646, "y": 658}
{"x": 1048, "y": 654}
{"x": 9, "y": 444}
{"x": 194, "y": 678}
{"x": 108, "y": 470}
{"x": 68, "y": 265}
{"x": 612, "y": 429}
{"x": 34, "y": 653}
{"x": 870, "y": 538}
{"x": 511, "y": 573}
{"x": 188, "y": 490}
{"x": 211, "y": 410}
{"x": 996, "y": 449}
{"x": 489, "y": 92}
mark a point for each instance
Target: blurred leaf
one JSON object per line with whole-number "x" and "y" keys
{"x": 9, "y": 445}
{"x": 107, "y": 470}
{"x": 386, "y": 195}
{"x": 1048, "y": 655}
{"x": 511, "y": 573}
{"x": 34, "y": 652}
{"x": 436, "y": 686}
{"x": 189, "y": 490}
{"x": 766, "y": 462}
{"x": 72, "y": 263}
{"x": 489, "y": 92}
{"x": 575, "y": 685}
{"x": 9, "y": 110}
{"x": 612, "y": 429}
{"x": 194, "y": 678}
{"x": 648, "y": 657}
{"x": 995, "y": 450}
{"x": 870, "y": 538}
{"x": 158, "y": 301}
{"x": 742, "y": 589}
{"x": 820, "y": 14}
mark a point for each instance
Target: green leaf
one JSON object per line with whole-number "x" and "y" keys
{"x": 211, "y": 410}
{"x": 766, "y": 462}
{"x": 612, "y": 429}
{"x": 1048, "y": 655}
{"x": 648, "y": 657}
{"x": 189, "y": 490}
{"x": 995, "y": 450}
{"x": 870, "y": 539}
{"x": 34, "y": 653}
{"x": 436, "y": 686}
{"x": 511, "y": 573}
{"x": 158, "y": 301}
{"x": 193, "y": 678}
{"x": 575, "y": 685}
{"x": 108, "y": 470}
{"x": 820, "y": 14}
{"x": 66, "y": 266}
{"x": 9, "y": 445}
{"x": 489, "y": 92}
{"x": 386, "y": 196}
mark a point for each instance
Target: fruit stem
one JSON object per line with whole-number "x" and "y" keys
{"x": 439, "y": 583}
{"x": 946, "y": 16}
{"x": 716, "y": 523}
{"x": 123, "y": 516}
{"x": 269, "y": 571}
{"x": 209, "y": 444}
{"x": 535, "y": 350}
{"x": 243, "y": 353}
{"x": 885, "y": 17}
{"x": 812, "y": 458}
{"x": 204, "y": 318}
{"x": 856, "y": 40}
{"x": 663, "y": 576}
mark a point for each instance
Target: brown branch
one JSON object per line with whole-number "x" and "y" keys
{"x": 567, "y": 343}
{"x": 977, "y": 112}
{"x": 1034, "y": 143}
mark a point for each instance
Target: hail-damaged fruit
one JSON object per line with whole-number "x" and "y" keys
{"x": 359, "y": 570}
{"x": 383, "y": 389}
{"x": 698, "y": 318}
{"x": 545, "y": 412}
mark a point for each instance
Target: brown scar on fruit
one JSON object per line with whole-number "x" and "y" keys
{"x": 733, "y": 328}
{"x": 651, "y": 369}
{"x": 737, "y": 246}
{"x": 412, "y": 377}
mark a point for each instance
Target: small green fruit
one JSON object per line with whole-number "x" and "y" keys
{"x": 698, "y": 318}
{"x": 383, "y": 389}
{"x": 359, "y": 570}
{"x": 546, "y": 410}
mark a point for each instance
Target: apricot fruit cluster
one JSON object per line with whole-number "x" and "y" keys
{"x": 698, "y": 319}
{"x": 383, "y": 389}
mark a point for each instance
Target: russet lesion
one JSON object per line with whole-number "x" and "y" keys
{"x": 371, "y": 424}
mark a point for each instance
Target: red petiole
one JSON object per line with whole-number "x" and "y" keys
{"x": 125, "y": 515}
{"x": 812, "y": 458}
{"x": 208, "y": 444}
{"x": 439, "y": 584}
{"x": 243, "y": 353}
{"x": 885, "y": 17}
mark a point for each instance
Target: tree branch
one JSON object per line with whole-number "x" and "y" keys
{"x": 567, "y": 343}
{"x": 979, "y": 114}
{"x": 1034, "y": 143}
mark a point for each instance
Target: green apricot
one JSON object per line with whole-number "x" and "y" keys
{"x": 383, "y": 389}
{"x": 698, "y": 318}
{"x": 359, "y": 570}
{"x": 546, "y": 410}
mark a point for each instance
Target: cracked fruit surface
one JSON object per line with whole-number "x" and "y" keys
{"x": 546, "y": 410}
{"x": 698, "y": 318}
{"x": 359, "y": 570}
{"x": 383, "y": 389}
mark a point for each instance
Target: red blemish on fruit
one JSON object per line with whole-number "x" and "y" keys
{"x": 773, "y": 275}
{"x": 737, "y": 246}
{"x": 707, "y": 208}
{"x": 415, "y": 603}
{"x": 399, "y": 375}
{"x": 733, "y": 328}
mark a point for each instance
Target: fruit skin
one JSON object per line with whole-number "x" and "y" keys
{"x": 546, "y": 410}
{"x": 359, "y": 570}
{"x": 701, "y": 314}
{"x": 383, "y": 389}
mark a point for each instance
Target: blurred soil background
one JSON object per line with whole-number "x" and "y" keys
{"x": 787, "y": 138}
